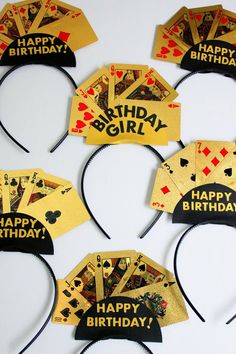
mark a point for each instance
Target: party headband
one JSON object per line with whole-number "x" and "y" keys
{"x": 119, "y": 295}
{"x": 35, "y": 208}
{"x": 201, "y": 38}
{"x": 44, "y": 32}
{"x": 125, "y": 103}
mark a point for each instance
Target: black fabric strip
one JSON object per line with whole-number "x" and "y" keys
{"x": 98, "y": 340}
{"x": 8, "y": 73}
{"x": 54, "y": 298}
{"x": 96, "y": 152}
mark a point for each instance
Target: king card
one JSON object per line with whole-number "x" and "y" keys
{"x": 152, "y": 87}
{"x": 28, "y": 11}
{"x": 8, "y": 24}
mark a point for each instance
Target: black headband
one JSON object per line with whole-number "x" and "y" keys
{"x": 177, "y": 274}
{"x": 98, "y": 340}
{"x": 37, "y": 255}
{"x": 203, "y": 71}
{"x": 4, "y": 77}
{"x": 92, "y": 157}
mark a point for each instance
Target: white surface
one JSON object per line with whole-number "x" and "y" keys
{"x": 34, "y": 106}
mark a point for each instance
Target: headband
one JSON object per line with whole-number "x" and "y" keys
{"x": 119, "y": 295}
{"x": 125, "y": 103}
{"x": 5, "y": 76}
{"x": 35, "y": 208}
{"x": 83, "y": 192}
{"x": 45, "y": 32}
{"x": 86, "y": 348}
{"x": 200, "y": 38}
{"x": 187, "y": 232}
{"x": 53, "y": 277}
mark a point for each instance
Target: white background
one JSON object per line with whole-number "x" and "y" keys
{"x": 34, "y": 105}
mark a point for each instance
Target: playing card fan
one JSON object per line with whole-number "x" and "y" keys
{"x": 36, "y": 208}
{"x": 125, "y": 103}
{"x": 121, "y": 294}
{"x": 201, "y": 38}
{"x": 41, "y": 32}
{"x": 198, "y": 186}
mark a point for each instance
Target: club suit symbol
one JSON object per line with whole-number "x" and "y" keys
{"x": 51, "y": 216}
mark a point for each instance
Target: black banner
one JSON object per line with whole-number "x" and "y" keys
{"x": 211, "y": 203}
{"x": 23, "y": 232}
{"x": 120, "y": 318}
{"x": 38, "y": 48}
{"x": 213, "y": 55}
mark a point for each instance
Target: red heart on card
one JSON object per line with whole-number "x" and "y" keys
{"x": 82, "y": 106}
{"x": 165, "y": 36}
{"x": 224, "y": 20}
{"x": 90, "y": 91}
{"x": 177, "y": 53}
{"x": 175, "y": 29}
{"x": 119, "y": 74}
{"x": 87, "y": 116}
{"x": 198, "y": 17}
{"x": 171, "y": 43}
{"x": 150, "y": 81}
{"x": 80, "y": 124}
{"x": 164, "y": 50}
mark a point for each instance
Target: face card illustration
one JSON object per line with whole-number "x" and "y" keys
{"x": 41, "y": 185}
{"x": 164, "y": 299}
{"x": 122, "y": 76}
{"x": 143, "y": 271}
{"x": 81, "y": 117}
{"x": 60, "y": 211}
{"x": 165, "y": 194}
{"x": 4, "y": 42}
{"x": 180, "y": 26}
{"x": 152, "y": 87}
{"x": 225, "y": 173}
{"x": 95, "y": 90}
{"x": 70, "y": 306}
{"x": 28, "y": 11}
{"x": 181, "y": 168}
{"x": 227, "y": 23}
{"x": 203, "y": 20}
{"x": 110, "y": 269}
{"x": 74, "y": 30}
{"x": 52, "y": 11}
{"x": 82, "y": 278}
{"x": 8, "y": 25}
{"x": 209, "y": 154}
{"x": 16, "y": 183}
{"x": 166, "y": 48}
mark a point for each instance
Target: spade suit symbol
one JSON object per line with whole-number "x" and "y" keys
{"x": 77, "y": 283}
{"x": 51, "y": 216}
{"x": 142, "y": 267}
{"x": 228, "y": 172}
{"x": 106, "y": 264}
{"x": 184, "y": 162}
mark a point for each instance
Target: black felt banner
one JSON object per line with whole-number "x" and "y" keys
{"x": 210, "y": 203}
{"x": 212, "y": 55}
{"x": 121, "y": 318}
{"x": 38, "y": 48}
{"x": 23, "y": 232}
